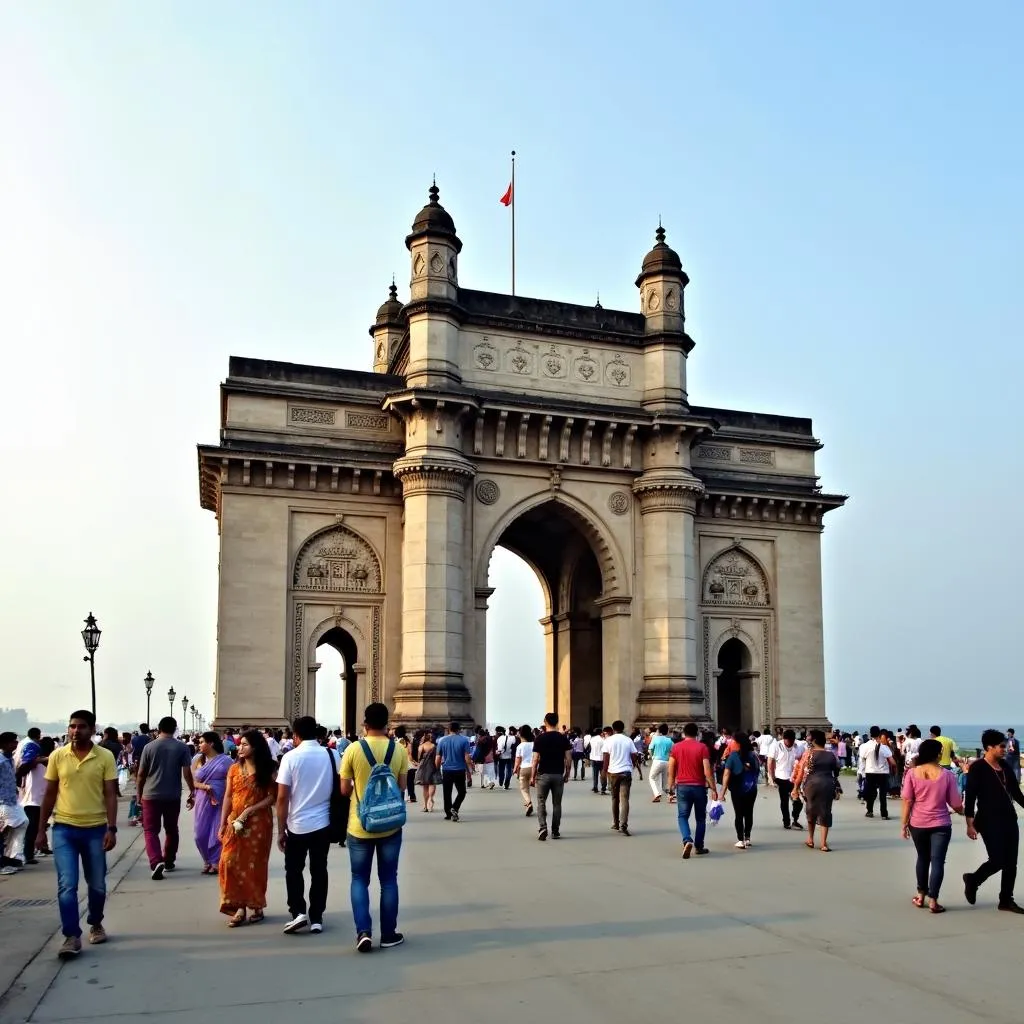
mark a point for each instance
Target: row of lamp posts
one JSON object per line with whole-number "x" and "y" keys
{"x": 91, "y": 639}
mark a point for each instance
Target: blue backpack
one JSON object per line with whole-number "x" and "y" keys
{"x": 381, "y": 807}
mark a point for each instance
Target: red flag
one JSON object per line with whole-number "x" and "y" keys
{"x": 506, "y": 199}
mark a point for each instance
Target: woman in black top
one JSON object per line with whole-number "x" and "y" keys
{"x": 991, "y": 793}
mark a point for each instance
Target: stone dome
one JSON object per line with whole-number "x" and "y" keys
{"x": 662, "y": 256}
{"x": 434, "y": 217}
{"x": 391, "y": 311}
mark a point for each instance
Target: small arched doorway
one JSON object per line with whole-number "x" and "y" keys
{"x": 345, "y": 714}
{"x": 734, "y": 688}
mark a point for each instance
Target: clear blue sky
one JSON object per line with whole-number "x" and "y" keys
{"x": 182, "y": 181}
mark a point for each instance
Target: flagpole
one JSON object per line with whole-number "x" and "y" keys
{"x": 513, "y": 223}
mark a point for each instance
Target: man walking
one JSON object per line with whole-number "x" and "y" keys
{"x": 305, "y": 782}
{"x": 164, "y": 763}
{"x": 782, "y": 759}
{"x": 13, "y": 820}
{"x": 689, "y": 767}
{"x": 362, "y": 845}
{"x": 456, "y": 765}
{"x": 597, "y": 760}
{"x": 1013, "y": 753}
{"x": 551, "y": 763}
{"x": 660, "y": 750}
{"x": 81, "y": 793}
{"x": 505, "y": 746}
{"x": 620, "y": 757}
{"x": 875, "y": 759}
{"x": 991, "y": 792}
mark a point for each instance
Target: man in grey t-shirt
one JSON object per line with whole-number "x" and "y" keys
{"x": 163, "y": 764}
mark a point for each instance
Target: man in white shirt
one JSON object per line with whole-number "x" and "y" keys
{"x": 620, "y": 756}
{"x": 275, "y": 747}
{"x": 597, "y": 761}
{"x": 764, "y": 744}
{"x": 305, "y": 782}
{"x": 782, "y": 761}
{"x": 874, "y": 760}
{"x": 505, "y": 745}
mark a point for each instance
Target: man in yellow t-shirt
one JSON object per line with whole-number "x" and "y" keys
{"x": 948, "y": 756}
{"x": 81, "y": 792}
{"x": 355, "y": 773}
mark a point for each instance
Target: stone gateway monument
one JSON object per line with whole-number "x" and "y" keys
{"x": 678, "y": 546}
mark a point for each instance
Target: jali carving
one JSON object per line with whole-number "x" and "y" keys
{"x": 757, "y": 456}
{"x": 368, "y": 420}
{"x": 337, "y": 559}
{"x": 487, "y": 492}
{"x": 618, "y": 503}
{"x": 734, "y": 578}
{"x": 318, "y": 417}
{"x": 714, "y": 453}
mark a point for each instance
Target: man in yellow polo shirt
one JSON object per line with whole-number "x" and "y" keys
{"x": 355, "y": 773}
{"x": 81, "y": 793}
{"x": 948, "y": 756}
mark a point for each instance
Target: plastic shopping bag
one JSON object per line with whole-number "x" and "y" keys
{"x": 715, "y": 811}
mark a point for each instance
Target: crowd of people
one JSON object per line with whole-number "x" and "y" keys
{"x": 325, "y": 788}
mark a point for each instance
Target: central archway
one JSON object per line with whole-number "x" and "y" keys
{"x": 341, "y": 641}
{"x": 734, "y": 689}
{"x": 551, "y": 538}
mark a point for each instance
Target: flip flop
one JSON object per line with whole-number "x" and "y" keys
{"x": 826, "y": 849}
{"x": 236, "y": 921}
{"x": 918, "y": 900}
{"x": 938, "y": 909}
{"x": 257, "y": 917}
{"x": 809, "y": 844}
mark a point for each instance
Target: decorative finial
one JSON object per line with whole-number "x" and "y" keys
{"x": 434, "y": 192}
{"x": 597, "y": 305}
{"x": 393, "y": 290}
{"x": 660, "y": 233}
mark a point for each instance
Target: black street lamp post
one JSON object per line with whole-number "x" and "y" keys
{"x": 91, "y": 639}
{"x": 149, "y": 681}
{"x": 184, "y": 712}
{"x": 170, "y": 698}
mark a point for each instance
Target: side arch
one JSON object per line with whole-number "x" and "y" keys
{"x": 609, "y": 556}
{"x": 735, "y": 576}
{"x": 337, "y": 559}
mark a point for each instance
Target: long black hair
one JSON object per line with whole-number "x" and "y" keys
{"x": 262, "y": 763}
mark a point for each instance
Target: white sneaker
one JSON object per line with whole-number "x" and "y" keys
{"x": 740, "y": 845}
{"x": 316, "y": 928}
{"x": 297, "y": 923}
{"x": 9, "y": 870}
{"x": 747, "y": 843}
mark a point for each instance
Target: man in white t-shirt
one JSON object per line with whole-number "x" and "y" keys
{"x": 597, "y": 760}
{"x": 619, "y": 758}
{"x": 275, "y": 747}
{"x": 782, "y": 762}
{"x": 874, "y": 760}
{"x": 305, "y": 782}
{"x": 504, "y": 748}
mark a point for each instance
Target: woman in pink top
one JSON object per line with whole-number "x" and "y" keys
{"x": 929, "y": 791}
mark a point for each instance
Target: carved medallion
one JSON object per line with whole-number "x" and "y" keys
{"x": 485, "y": 355}
{"x": 436, "y": 263}
{"x": 487, "y": 492}
{"x": 735, "y": 578}
{"x": 617, "y": 372}
{"x": 670, "y": 299}
{"x": 337, "y": 559}
{"x": 519, "y": 360}
{"x": 418, "y": 264}
{"x": 618, "y": 503}
{"x": 587, "y": 368}
{"x": 553, "y": 363}
{"x": 653, "y": 302}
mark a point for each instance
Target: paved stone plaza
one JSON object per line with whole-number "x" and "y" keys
{"x": 596, "y": 927}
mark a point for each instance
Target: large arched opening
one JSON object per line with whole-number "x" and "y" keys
{"x": 553, "y": 542}
{"x": 335, "y": 697}
{"x": 735, "y": 687}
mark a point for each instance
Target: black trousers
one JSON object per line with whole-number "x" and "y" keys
{"x": 298, "y": 845}
{"x": 1002, "y": 840}
{"x": 32, "y": 813}
{"x": 410, "y": 785}
{"x": 448, "y": 781}
{"x": 504, "y": 771}
{"x": 743, "y": 809}
{"x": 785, "y": 792}
{"x": 877, "y": 784}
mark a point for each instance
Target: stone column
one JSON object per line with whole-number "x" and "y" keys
{"x": 432, "y": 686}
{"x": 668, "y": 502}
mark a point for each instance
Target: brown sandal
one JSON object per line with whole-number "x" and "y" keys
{"x": 918, "y": 900}
{"x": 809, "y": 844}
{"x": 257, "y": 917}
{"x": 236, "y": 921}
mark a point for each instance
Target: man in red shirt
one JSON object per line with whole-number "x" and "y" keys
{"x": 689, "y": 765}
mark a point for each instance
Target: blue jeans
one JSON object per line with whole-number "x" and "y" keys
{"x": 692, "y": 798}
{"x": 70, "y": 842}
{"x": 360, "y": 855}
{"x": 931, "y": 845}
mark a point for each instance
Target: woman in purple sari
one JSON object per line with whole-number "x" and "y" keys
{"x": 211, "y": 772}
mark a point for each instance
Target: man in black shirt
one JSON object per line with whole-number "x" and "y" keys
{"x": 552, "y": 762}
{"x": 991, "y": 793}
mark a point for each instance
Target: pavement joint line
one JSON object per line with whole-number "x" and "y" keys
{"x": 35, "y": 979}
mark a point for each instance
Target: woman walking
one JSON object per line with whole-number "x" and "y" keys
{"x": 247, "y": 830}
{"x": 427, "y": 774}
{"x": 524, "y": 767}
{"x": 211, "y": 773}
{"x": 929, "y": 791}
{"x": 818, "y": 773}
{"x": 742, "y": 771}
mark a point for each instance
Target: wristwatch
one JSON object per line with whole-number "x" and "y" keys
{"x": 111, "y": 828}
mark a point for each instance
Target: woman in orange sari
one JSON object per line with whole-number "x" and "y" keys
{"x": 247, "y": 830}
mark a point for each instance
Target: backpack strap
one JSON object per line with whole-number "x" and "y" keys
{"x": 390, "y": 753}
{"x": 368, "y": 753}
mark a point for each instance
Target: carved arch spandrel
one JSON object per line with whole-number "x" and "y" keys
{"x": 734, "y": 577}
{"x": 336, "y": 559}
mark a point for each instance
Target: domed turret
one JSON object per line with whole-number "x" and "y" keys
{"x": 433, "y": 253}
{"x": 662, "y": 258}
{"x": 387, "y": 330}
{"x": 390, "y": 312}
{"x": 433, "y": 219}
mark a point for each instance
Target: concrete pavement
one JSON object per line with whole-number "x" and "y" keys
{"x": 595, "y": 927}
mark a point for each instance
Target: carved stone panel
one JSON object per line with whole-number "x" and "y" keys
{"x": 485, "y": 355}
{"x": 337, "y": 559}
{"x": 735, "y": 578}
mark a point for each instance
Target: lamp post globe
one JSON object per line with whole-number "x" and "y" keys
{"x": 148, "y": 681}
{"x": 91, "y": 639}
{"x": 170, "y": 698}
